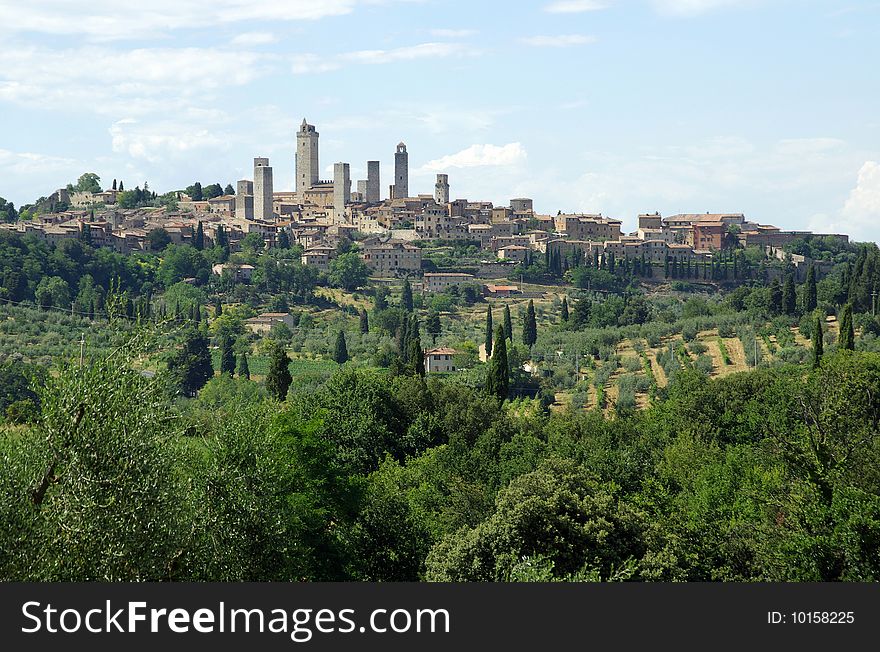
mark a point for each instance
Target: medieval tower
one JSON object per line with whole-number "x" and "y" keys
{"x": 401, "y": 172}
{"x": 441, "y": 189}
{"x": 263, "y": 190}
{"x": 307, "y": 170}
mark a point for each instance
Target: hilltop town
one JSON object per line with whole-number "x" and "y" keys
{"x": 394, "y": 230}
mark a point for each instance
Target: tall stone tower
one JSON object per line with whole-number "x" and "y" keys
{"x": 263, "y": 190}
{"x": 306, "y": 157}
{"x": 401, "y": 172}
{"x": 441, "y": 189}
{"x": 341, "y": 190}
{"x": 244, "y": 200}
{"x": 372, "y": 193}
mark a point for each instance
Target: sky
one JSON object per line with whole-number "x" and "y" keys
{"x": 765, "y": 107}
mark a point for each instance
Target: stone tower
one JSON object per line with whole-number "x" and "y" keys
{"x": 441, "y": 189}
{"x": 244, "y": 200}
{"x": 306, "y": 157}
{"x": 372, "y": 192}
{"x": 263, "y": 190}
{"x": 341, "y": 189}
{"x": 401, "y": 172}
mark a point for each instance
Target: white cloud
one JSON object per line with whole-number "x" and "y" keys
{"x": 312, "y": 63}
{"x": 574, "y": 6}
{"x": 250, "y": 39}
{"x": 421, "y": 51}
{"x": 453, "y": 33}
{"x": 105, "y": 20}
{"x": 163, "y": 140}
{"x": 129, "y": 82}
{"x": 695, "y": 7}
{"x": 860, "y": 215}
{"x": 479, "y": 156}
{"x": 560, "y": 41}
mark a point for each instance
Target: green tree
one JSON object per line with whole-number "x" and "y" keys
{"x": 278, "y": 378}
{"x": 847, "y": 340}
{"x": 158, "y": 239}
{"x": 565, "y": 309}
{"x": 283, "y": 239}
{"x": 244, "y": 370}
{"x": 789, "y": 298}
{"x": 88, "y": 182}
{"x": 557, "y": 513}
{"x": 340, "y": 351}
{"x": 406, "y": 296}
{"x": 508, "y": 323}
{"x": 227, "y": 355}
{"x": 229, "y": 190}
{"x": 348, "y": 271}
{"x": 775, "y": 306}
{"x": 810, "y": 290}
{"x": 530, "y": 326}
{"x": 818, "y": 345}
{"x": 498, "y": 378}
{"x": 199, "y": 238}
{"x": 104, "y": 498}
{"x": 433, "y": 325}
{"x": 195, "y": 192}
{"x": 190, "y": 366}
{"x": 488, "y": 331}
{"x": 52, "y": 292}
{"x": 364, "y": 322}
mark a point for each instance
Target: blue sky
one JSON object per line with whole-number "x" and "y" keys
{"x": 768, "y": 107}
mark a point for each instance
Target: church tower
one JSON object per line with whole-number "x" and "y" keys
{"x": 307, "y": 169}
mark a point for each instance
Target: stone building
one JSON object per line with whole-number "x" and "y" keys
{"x": 440, "y": 360}
{"x": 391, "y": 257}
{"x": 440, "y": 281}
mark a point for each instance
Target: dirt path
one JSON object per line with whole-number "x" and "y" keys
{"x": 737, "y": 355}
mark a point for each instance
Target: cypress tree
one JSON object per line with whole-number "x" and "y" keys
{"x": 365, "y": 322}
{"x": 847, "y": 333}
{"x": 433, "y": 325}
{"x": 406, "y": 297}
{"x": 818, "y": 344}
{"x": 810, "y": 294}
{"x": 199, "y": 240}
{"x": 278, "y": 379}
{"x": 508, "y": 324}
{"x": 340, "y": 352}
{"x": 416, "y": 356}
{"x": 488, "y": 331}
{"x": 789, "y": 298}
{"x": 565, "y": 309}
{"x": 666, "y": 266}
{"x": 775, "y": 298}
{"x": 530, "y": 326}
{"x": 283, "y": 239}
{"x": 218, "y": 307}
{"x": 244, "y": 370}
{"x": 381, "y": 299}
{"x": 498, "y": 379}
{"x": 227, "y": 356}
